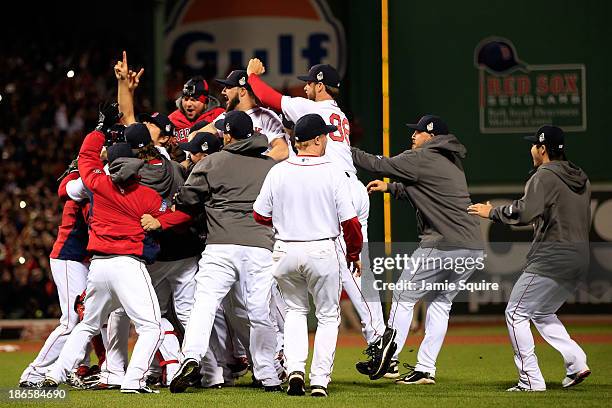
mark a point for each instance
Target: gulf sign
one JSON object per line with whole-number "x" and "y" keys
{"x": 288, "y": 36}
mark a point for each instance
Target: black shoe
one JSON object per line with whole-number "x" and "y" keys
{"x": 414, "y": 377}
{"x": 143, "y": 390}
{"x": 181, "y": 380}
{"x": 318, "y": 391}
{"x": 49, "y": 383}
{"x": 380, "y": 352}
{"x": 393, "y": 371}
{"x": 28, "y": 384}
{"x": 296, "y": 384}
{"x": 255, "y": 383}
{"x": 363, "y": 367}
{"x": 273, "y": 388}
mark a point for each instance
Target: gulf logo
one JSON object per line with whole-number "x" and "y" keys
{"x": 288, "y": 36}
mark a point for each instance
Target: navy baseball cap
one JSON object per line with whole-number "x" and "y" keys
{"x": 431, "y": 124}
{"x": 202, "y": 142}
{"x": 549, "y": 136}
{"x": 235, "y": 78}
{"x": 137, "y": 135}
{"x": 160, "y": 120}
{"x": 237, "y": 123}
{"x": 310, "y": 126}
{"x": 498, "y": 55}
{"x": 118, "y": 150}
{"x": 324, "y": 73}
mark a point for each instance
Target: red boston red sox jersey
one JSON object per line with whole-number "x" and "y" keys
{"x": 338, "y": 149}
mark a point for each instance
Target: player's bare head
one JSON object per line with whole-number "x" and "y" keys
{"x": 310, "y": 134}
{"x": 237, "y": 91}
{"x": 427, "y": 128}
{"x": 547, "y": 144}
{"x": 194, "y": 98}
{"x": 322, "y": 82}
{"x": 236, "y": 125}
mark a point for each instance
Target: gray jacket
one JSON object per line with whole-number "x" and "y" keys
{"x": 225, "y": 186}
{"x": 557, "y": 202}
{"x": 432, "y": 179}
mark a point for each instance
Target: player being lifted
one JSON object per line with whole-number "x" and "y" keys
{"x": 322, "y": 87}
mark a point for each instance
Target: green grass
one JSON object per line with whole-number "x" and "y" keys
{"x": 468, "y": 376}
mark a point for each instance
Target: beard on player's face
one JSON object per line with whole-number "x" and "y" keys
{"x": 232, "y": 102}
{"x": 309, "y": 89}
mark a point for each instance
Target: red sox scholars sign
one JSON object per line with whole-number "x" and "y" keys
{"x": 515, "y": 97}
{"x": 288, "y": 36}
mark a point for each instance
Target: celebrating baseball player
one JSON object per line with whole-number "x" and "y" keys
{"x": 557, "y": 202}
{"x": 117, "y": 275}
{"x": 322, "y": 86}
{"x": 431, "y": 177}
{"x": 238, "y": 249}
{"x": 305, "y": 255}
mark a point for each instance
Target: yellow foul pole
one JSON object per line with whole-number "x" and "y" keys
{"x": 385, "y": 115}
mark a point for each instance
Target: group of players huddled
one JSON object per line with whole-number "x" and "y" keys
{"x": 208, "y": 229}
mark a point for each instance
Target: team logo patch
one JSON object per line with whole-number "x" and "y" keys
{"x": 155, "y": 115}
{"x": 242, "y": 81}
{"x": 320, "y": 76}
{"x": 430, "y": 126}
{"x": 541, "y": 137}
{"x": 163, "y": 207}
{"x": 204, "y": 146}
{"x": 227, "y": 127}
{"x": 168, "y": 128}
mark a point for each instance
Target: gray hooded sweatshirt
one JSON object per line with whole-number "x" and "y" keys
{"x": 431, "y": 177}
{"x": 557, "y": 202}
{"x": 225, "y": 186}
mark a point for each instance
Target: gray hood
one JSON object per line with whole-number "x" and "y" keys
{"x": 254, "y": 145}
{"x": 124, "y": 168}
{"x": 448, "y": 146}
{"x": 162, "y": 178}
{"x": 573, "y": 176}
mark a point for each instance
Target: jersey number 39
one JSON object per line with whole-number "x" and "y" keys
{"x": 343, "y": 129}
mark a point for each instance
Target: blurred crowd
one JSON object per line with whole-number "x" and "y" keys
{"x": 49, "y": 100}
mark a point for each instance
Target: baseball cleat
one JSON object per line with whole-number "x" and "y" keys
{"x": 318, "y": 391}
{"x": 393, "y": 370}
{"x": 296, "y": 384}
{"x": 143, "y": 390}
{"x": 49, "y": 382}
{"x": 518, "y": 388}
{"x": 75, "y": 381}
{"x": 576, "y": 378}
{"x": 381, "y": 352}
{"x": 28, "y": 384}
{"x": 273, "y": 388}
{"x": 240, "y": 367}
{"x": 181, "y": 381}
{"x": 363, "y": 367}
{"x": 100, "y": 386}
{"x": 416, "y": 378}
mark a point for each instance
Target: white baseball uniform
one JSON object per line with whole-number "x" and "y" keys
{"x": 307, "y": 199}
{"x": 338, "y": 151}
{"x": 267, "y": 123}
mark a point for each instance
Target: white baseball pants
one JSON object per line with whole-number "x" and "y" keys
{"x": 439, "y": 303}
{"x": 302, "y": 268}
{"x": 114, "y": 282}
{"x": 70, "y": 278}
{"x": 537, "y": 298}
{"x": 221, "y": 266}
{"x": 369, "y": 310}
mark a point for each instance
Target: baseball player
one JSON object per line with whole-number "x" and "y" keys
{"x": 117, "y": 275}
{"x": 69, "y": 266}
{"x": 431, "y": 177}
{"x": 192, "y": 107}
{"x": 557, "y": 203}
{"x": 322, "y": 86}
{"x": 306, "y": 260}
{"x": 240, "y": 96}
{"x": 238, "y": 250}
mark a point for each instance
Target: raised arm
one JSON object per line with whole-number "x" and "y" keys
{"x": 127, "y": 82}
{"x": 266, "y": 94}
